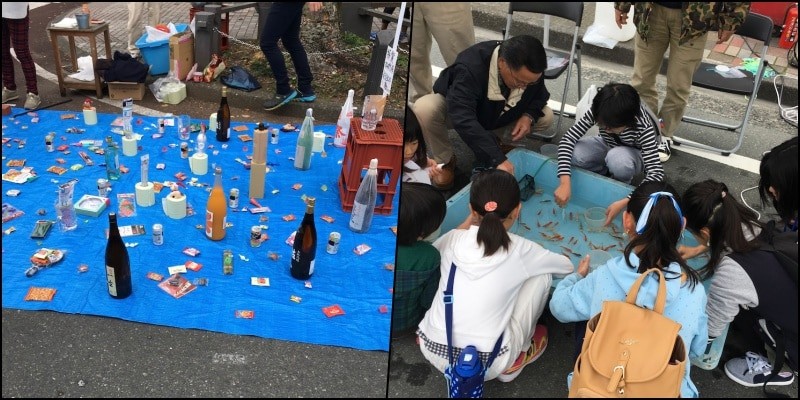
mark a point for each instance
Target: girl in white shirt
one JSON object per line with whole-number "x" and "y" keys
{"x": 501, "y": 283}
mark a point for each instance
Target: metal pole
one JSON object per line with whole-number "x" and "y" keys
{"x": 373, "y": 84}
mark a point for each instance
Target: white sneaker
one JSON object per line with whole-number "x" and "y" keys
{"x": 665, "y": 149}
{"x": 9, "y": 95}
{"x": 32, "y": 102}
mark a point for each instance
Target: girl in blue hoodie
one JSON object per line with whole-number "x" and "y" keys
{"x": 653, "y": 223}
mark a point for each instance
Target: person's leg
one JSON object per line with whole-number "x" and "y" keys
{"x": 431, "y": 111}
{"x": 648, "y": 57}
{"x": 291, "y": 41}
{"x": 134, "y": 26}
{"x": 154, "y": 8}
{"x": 544, "y": 122}
{"x": 624, "y": 163}
{"x": 8, "y": 63}
{"x": 420, "y": 77}
{"x": 277, "y": 22}
{"x": 20, "y": 29}
{"x": 683, "y": 62}
{"x": 530, "y": 304}
{"x": 451, "y": 25}
{"x": 590, "y": 154}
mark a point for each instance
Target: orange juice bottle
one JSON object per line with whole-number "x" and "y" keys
{"x": 216, "y": 209}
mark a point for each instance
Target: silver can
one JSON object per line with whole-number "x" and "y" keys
{"x": 233, "y": 198}
{"x": 274, "y": 136}
{"x": 158, "y": 234}
{"x": 184, "y": 150}
{"x": 102, "y": 187}
{"x": 333, "y": 243}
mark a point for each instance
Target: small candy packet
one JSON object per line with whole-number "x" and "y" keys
{"x": 332, "y": 311}
{"x": 361, "y": 249}
{"x": 246, "y": 314}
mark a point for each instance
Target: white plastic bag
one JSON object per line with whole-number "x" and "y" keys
{"x": 155, "y": 35}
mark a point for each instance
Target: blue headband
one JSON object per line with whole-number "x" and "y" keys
{"x": 641, "y": 225}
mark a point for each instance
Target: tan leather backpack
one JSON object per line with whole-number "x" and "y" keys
{"x": 631, "y": 351}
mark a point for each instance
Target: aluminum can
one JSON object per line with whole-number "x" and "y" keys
{"x": 158, "y": 234}
{"x": 255, "y": 236}
{"x": 233, "y": 198}
{"x": 333, "y": 243}
{"x": 102, "y": 187}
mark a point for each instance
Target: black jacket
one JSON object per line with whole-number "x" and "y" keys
{"x": 465, "y": 83}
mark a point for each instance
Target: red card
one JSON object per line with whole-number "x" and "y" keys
{"x": 332, "y": 311}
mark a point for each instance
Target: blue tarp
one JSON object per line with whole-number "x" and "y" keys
{"x": 359, "y": 284}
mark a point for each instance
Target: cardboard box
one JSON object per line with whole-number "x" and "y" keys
{"x": 181, "y": 50}
{"x": 123, "y": 90}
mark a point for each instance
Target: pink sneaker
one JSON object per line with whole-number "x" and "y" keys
{"x": 538, "y": 344}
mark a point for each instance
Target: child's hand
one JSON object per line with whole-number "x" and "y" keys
{"x": 431, "y": 163}
{"x": 562, "y": 194}
{"x": 614, "y": 209}
{"x": 583, "y": 266}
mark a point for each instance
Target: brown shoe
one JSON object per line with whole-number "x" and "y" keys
{"x": 444, "y": 181}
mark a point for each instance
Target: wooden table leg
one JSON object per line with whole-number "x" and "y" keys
{"x": 73, "y": 54}
{"x": 97, "y": 86}
{"x": 59, "y": 67}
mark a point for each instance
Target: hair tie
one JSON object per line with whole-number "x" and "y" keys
{"x": 641, "y": 225}
{"x": 490, "y": 206}
{"x": 723, "y": 194}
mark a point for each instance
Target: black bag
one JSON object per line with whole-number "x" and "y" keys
{"x": 783, "y": 245}
{"x": 239, "y": 78}
{"x": 123, "y": 68}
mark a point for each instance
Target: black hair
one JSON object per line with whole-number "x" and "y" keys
{"x": 413, "y": 131}
{"x": 524, "y": 51}
{"x": 616, "y": 105}
{"x": 710, "y": 204}
{"x": 659, "y": 239}
{"x": 779, "y": 170}
{"x": 501, "y": 188}
{"x": 422, "y": 210}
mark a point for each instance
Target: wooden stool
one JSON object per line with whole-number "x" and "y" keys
{"x": 65, "y": 82}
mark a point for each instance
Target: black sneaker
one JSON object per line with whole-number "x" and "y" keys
{"x": 279, "y": 100}
{"x": 305, "y": 97}
{"x": 665, "y": 149}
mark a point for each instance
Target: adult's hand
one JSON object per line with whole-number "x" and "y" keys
{"x": 614, "y": 209}
{"x": 621, "y": 18}
{"x": 723, "y": 36}
{"x": 522, "y": 127}
{"x": 506, "y": 166}
{"x": 314, "y": 6}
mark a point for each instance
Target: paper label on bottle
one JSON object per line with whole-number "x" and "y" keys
{"x": 357, "y": 217}
{"x": 209, "y": 222}
{"x": 112, "y": 286}
{"x": 311, "y": 267}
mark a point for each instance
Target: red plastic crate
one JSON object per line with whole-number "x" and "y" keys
{"x": 384, "y": 143}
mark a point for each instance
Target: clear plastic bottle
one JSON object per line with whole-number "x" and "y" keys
{"x": 370, "y": 121}
{"x": 112, "y": 159}
{"x": 364, "y": 203}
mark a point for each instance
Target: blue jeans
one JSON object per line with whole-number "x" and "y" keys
{"x": 621, "y": 163}
{"x": 283, "y": 22}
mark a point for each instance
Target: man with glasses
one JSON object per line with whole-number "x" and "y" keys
{"x": 490, "y": 87}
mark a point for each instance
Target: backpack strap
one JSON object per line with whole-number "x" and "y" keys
{"x": 448, "y": 321}
{"x": 780, "y": 356}
{"x": 661, "y": 297}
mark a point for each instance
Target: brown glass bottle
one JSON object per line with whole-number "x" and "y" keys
{"x": 224, "y": 118}
{"x": 118, "y": 265}
{"x": 304, "y": 250}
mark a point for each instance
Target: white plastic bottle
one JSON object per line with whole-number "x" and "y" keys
{"x": 364, "y": 203}
{"x": 343, "y": 124}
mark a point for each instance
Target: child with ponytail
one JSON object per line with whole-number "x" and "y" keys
{"x": 501, "y": 283}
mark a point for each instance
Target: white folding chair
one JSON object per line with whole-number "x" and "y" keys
{"x": 572, "y": 11}
{"x": 755, "y": 26}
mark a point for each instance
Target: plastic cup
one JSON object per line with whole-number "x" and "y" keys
{"x": 598, "y": 258}
{"x": 549, "y": 150}
{"x": 595, "y": 218}
{"x": 65, "y": 214}
{"x": 184, "y": 126}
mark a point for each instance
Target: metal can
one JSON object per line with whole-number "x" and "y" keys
{"x": 274, "y": 136}
{"x": 48, "y": 142}
{"x": 161, "y": 125}
{"x": 158, "y": 234}
{"x": 233, "y": 198}
{"x": 102, "y": 187}
{"x": 227, "y": 262}
{"x": 184, "y": 150}
{"x": 333, "y": 243}
{"x": 255, "y": 236}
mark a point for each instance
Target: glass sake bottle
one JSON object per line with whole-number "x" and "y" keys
{"x": 305, "y": 142}
{"x": 224, "y": 118}
{"x": 364, "y": 202}
{"x": 304, "y": 249}
{"x": 216, "y": 209}
{"x": 118, "y": 265}
{"x": 112, "y": 159}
